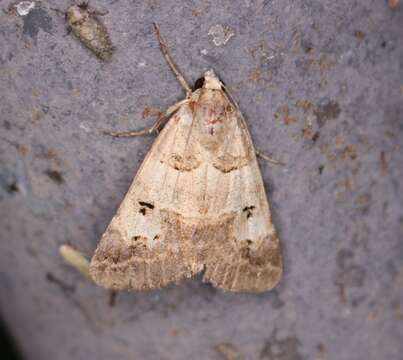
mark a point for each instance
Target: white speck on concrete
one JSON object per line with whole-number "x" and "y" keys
{"x": 84, "y": 127}
{"x": 142, "y": 64}
{"x": 204, "y": 51}
{"x": 24, "y": 7}
{"x": 220, "y": 34}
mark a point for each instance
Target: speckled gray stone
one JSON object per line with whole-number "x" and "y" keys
{"x": 320, "y": 84}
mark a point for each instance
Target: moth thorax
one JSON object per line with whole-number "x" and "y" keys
{"x": 211, "y": 116}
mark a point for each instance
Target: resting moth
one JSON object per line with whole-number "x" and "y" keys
{"x": 82, "y": 21}
{"x": 197, "y": 203}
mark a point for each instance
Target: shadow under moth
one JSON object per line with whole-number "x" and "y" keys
{"x": 197, "y": 204}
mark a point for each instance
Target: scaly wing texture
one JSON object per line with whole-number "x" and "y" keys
{"x": 247, "y": 257}
{"x": 145, "y": 245}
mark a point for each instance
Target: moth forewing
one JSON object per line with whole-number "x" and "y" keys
{"x": 138, "y": 249}
{"x": 253, "y": 263}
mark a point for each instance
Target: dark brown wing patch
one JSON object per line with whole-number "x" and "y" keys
{"x": 138, "y": 266}
{"x": 246, "y": 269}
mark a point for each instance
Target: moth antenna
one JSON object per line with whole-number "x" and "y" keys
{"x": 171, "y": 64}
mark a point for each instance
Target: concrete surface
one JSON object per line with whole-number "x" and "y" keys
{"x": 321, "y": 85}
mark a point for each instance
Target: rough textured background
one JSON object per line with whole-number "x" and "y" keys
{"x": 320, "y": 83}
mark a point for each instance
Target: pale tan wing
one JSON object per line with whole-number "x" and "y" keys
{"x": 245, "y": 255}
{"x": 189, "y": 209}
{"x": 145, "y": 246}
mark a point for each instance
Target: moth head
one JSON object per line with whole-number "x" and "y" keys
{"x": 211, "y": 81}
{"x": 75, "y": 14}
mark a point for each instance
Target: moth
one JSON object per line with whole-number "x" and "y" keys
{"x": 197, "y": 203}
{"x": 83, "y": 22}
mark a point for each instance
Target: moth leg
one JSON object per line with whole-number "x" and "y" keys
{"x": 68, "y": 30}
{"x": 155, "y": 127}
{"x": 268, "y": 158}
{"x": 168, "y": 58}
{"x": 145, "y": 131}
{"x": 75, "y": 259}
{"x": 93, "y": 11}
{"x": 85, "y": 5}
